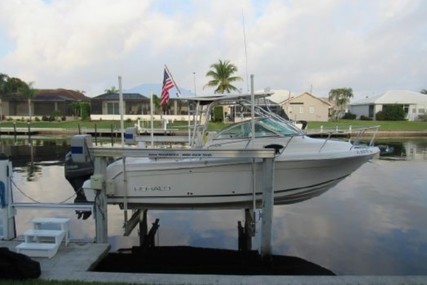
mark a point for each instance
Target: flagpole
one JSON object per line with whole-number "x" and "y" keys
{"x": 151, "y": 121}
{"x": 121, "y": 112}
{"x": 173, "y": 80}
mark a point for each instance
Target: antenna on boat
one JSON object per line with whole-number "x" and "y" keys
{"x": 252, "y": 110}
{"x": 121, "y": 105}
{"x": 246, "y": 51}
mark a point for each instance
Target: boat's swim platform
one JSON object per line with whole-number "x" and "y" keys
{"x": 75, "y": 262}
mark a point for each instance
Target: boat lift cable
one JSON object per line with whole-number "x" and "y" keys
{"x": 36, "y": 201}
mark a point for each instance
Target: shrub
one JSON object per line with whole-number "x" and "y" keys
{"x": 422, "y": 118}
{"x": 349, "y": 116}
{"x": 85, "y": 111}
{"x": 364, "y": 118}
{"x": 380, "y": 116}
{"x": 391, "y": 113}
{"x": 218, "y": 114}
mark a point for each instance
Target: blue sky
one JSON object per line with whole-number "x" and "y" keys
{"x": 296, "y": 45}
{"x": 6, "y": 45}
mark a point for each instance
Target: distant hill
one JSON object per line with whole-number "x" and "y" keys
{"x": 147, "y": 89}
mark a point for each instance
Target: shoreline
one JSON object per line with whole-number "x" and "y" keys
{"x": 107, "y": 133}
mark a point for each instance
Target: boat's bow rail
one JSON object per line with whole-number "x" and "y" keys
{"x": 355, "y": 136}
{"x": 365, "y": 133}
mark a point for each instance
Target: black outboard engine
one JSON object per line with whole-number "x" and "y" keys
{"x": 78, "y": 168}
{"x": 303, "y": 124}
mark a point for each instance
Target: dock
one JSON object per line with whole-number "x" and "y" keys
{"x": 76, "y": 261}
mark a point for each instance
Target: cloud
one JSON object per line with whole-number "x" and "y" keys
{"x": 371, "y": 46}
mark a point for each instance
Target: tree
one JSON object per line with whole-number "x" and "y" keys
{"x": 340, "y": 97}
{"x": 27, "y": 90}
{"x": 112, "y": 90}
{"x": 13, "y": 85}
{"x": 156, "y": 104}
{"x": 423, "y": 91}
{"x": 8, "y": 86}
{"x": 3, "y": 82}
{"x": 222, "y": 77}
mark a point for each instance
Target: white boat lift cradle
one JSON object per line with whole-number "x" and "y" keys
{"x": 101, "y": 156}
{"x": 98, "y": 182}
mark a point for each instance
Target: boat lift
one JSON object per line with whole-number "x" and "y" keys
{"x": 98, "y": 182}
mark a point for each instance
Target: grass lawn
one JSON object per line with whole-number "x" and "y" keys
{"x": 384, "y": 125}
{"x": 342, "y": 124}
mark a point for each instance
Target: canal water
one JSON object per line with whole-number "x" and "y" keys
{"x": 372, "y": 223}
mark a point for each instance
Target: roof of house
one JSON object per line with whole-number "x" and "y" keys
{"x": 49, "y": 95}
{"x": 59, "y": 95}
{"x": 148, "y": 89}
{"x": 279, "y": 96}
{"x": 115, "y": 96}
{"x": 311, "y": 95}
{"x": 395, "y": 97}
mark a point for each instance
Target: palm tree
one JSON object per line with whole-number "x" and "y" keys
{"x": 341, "y": 97}
{"x": 112, "y": 90}
{"x": 156, "y": 104}
{"x": 28, "y": 91}
{"x": 3, "y": 82}
{"x": 222, "y": 77}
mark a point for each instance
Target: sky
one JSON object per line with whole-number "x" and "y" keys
{"x": 371, "y": 46}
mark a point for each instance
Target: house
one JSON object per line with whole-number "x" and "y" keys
{"x": 413, "y": 103}
{"x": 108, "y": 104}
{"x": 45, "y": 102}
{"x": 307, "y": 107}
{"x": 137, "y": 104}
{"x": 176, "y": 107}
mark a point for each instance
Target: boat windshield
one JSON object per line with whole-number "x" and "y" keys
{"x": 264, "y": 127}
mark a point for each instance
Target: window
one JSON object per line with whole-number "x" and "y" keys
{"x": 301, "y": 109}
{"x": 290, "y": 109}
{"x": 311, "y": 109}
{"x": 113, "y": 108}
{"x": 421, "y": 111}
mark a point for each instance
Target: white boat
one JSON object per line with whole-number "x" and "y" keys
{"x": 304, "y": 167}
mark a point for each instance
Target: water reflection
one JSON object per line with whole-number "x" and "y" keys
{"x": 403, "y": 149}
{"x": 373, "y": 223}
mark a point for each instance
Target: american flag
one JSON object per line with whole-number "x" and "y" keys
{"x": 167, "y": 85}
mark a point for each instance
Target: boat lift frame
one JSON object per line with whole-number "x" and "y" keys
{"x": 101, "y": 155}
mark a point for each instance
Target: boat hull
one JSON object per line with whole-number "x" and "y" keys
{"x": 222, "y": 183}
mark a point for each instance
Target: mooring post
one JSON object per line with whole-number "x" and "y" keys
{"x": 101, "y": 214}
{"x": 14, "y": 130}
{"x": 96, "y": 135}
{"x": 29, "y": 131}
{"x": 267, "y": 207}
{"x": 112, "y": 135}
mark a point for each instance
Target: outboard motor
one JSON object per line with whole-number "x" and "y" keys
{"x": 302, "y": 123}
{"x": 78, "y": 168}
